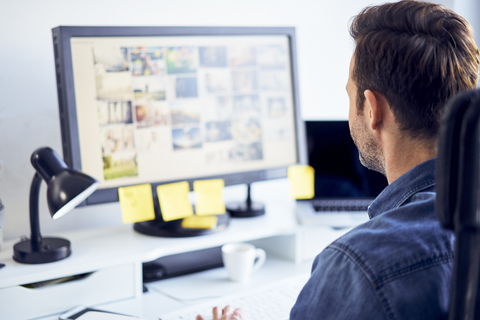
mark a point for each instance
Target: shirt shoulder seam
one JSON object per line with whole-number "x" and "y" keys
{"x": 423, "y": 264}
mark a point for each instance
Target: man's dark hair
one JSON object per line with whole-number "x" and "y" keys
{"x": 417, "y": 55}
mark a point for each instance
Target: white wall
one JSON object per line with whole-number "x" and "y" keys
{"x": 470, "y": 10}
{"x": 28, "y": 103}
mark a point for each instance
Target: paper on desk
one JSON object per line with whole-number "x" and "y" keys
{"x": 302, "y": 181}
{"x": 94, "y": 315}
{"x": 136, "y": 203}
{"x": 200, "y": 222}
{"x": 173, "y": 200}
{"x": 209, "y": 197}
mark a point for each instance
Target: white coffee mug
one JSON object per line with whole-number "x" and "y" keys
{"x": 242, "y": 259}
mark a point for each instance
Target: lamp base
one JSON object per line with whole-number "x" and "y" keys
{"x": 49, "y": 250}
{"x": 173, "y": 229}
{"x": 243, "y": 210}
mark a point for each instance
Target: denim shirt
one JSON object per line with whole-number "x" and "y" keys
{"x": 398, "y": 265}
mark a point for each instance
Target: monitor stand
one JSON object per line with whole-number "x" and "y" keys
{"x": 245, "y": 209}
{"x": 173, "y": 229}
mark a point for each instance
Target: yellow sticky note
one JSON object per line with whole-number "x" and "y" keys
{"x": 209, "y": 197}
{"x": 136, "y": 203}
{"x": 302, "y": 181}
{"x": 200, "y": 222}
{"x": 173, "y": 200}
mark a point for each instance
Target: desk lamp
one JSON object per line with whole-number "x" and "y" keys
{"x": 66, "y": 188}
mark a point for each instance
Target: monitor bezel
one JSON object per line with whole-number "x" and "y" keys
{"x": 67, "y": 103}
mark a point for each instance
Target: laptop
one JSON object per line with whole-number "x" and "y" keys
{"x": 344, "y": 188}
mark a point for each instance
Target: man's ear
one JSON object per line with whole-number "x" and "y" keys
{"x": 374, "y": 109}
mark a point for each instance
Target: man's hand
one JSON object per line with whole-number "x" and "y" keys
{"x": 228, "y": 313}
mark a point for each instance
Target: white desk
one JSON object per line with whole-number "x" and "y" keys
{"x": 114, "y": 256}
{"x": 172, "y": 294}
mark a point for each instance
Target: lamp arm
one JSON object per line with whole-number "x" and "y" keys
{"x": 36, "y": 237}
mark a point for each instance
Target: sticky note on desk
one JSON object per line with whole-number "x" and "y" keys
{"x": 302, "y": 181}
{"x": 174, "y": 202}
{"x": 200, "y": 222}
{"x": 209, "y": 197}
{"x": 136, "y": 203}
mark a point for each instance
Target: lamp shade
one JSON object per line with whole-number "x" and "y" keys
{"x": 66, "y": 188}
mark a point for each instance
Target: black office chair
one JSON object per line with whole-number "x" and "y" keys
{"x": 457, "y": 188}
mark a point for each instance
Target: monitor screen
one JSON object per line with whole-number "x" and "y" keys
{"x": 338, "y": 171}
{"x": 165, "y": 104}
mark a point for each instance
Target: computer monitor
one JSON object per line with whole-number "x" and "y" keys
{"x": 164, "y": 104}
{"x": 338, "y": 171}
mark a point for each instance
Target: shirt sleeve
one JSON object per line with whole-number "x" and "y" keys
{"x": 337, "y": 289}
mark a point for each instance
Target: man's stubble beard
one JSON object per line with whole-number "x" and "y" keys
{"x": 370, "y": 153}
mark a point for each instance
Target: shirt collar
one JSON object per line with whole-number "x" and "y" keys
{"x": 418, "y": 178}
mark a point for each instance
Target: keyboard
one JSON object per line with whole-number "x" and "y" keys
{"x": 351, "y": 205}
{"x": 337, "y": 213}
{"x": 272, "y": 301}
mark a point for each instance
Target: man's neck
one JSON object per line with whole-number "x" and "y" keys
{"x": 406, "y": 154}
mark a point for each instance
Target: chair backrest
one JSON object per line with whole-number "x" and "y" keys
{"x": 457, "y": 188}
{"x": 446, "y": 175}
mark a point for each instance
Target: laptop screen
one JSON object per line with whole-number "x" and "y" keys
{"x": 338, "y": 171}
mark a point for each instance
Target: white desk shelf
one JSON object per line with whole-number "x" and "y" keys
{"x": 115, "y": 254}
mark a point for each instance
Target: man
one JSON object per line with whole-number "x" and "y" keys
{"x": 410, "y": 58}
